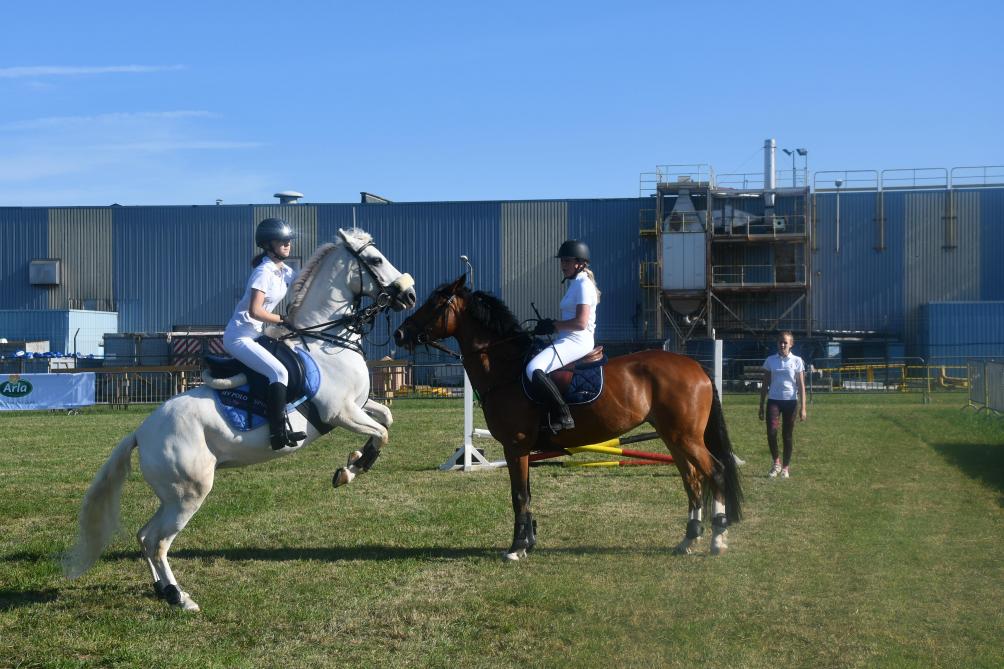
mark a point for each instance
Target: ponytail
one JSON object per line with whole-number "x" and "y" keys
{"x": 592, "y": 277}
{"x": 258, "y": 258}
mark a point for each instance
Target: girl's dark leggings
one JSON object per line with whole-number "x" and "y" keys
{"x": 781, "y": 413}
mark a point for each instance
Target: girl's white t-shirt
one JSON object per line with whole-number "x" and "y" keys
{"x": 270, "y": 279}
{"x": 581, "y": 290}
{"x": 783, "y": 376}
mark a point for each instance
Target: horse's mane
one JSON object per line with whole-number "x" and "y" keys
{"x": 491, "y": 313}
{"x": 306, "y": 276}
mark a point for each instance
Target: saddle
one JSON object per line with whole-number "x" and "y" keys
{"x": 241, "y": 391}
{"x": 580, "y": 381}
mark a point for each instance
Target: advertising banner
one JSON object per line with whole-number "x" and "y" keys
{"x": 20, "y": 392}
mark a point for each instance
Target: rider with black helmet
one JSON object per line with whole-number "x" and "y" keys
{"x": 270, "y": 279}
{"x": 574, "y": 332}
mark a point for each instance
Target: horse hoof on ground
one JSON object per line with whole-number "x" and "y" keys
{"x": 180, "y": 599}
{"x": 514, "y": 556}
{"x": 342, "y": 476}
{"x": 718, "y": 546}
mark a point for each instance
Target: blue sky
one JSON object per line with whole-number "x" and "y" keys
{"x": 185, "y": 102}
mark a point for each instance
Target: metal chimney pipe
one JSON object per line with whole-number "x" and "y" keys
{"x": 769, "y": 173}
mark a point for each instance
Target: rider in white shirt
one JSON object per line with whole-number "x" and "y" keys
{"x": 574, "y": 332}
{"x": 265, "y": 289}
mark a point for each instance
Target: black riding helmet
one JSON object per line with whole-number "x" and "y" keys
{"x": 271, "y": 230}
{"x": 573, "y": 248}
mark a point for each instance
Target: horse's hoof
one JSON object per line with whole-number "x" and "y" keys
{"x": 182, "y": 600}
{"x": 342, "y": 476}
{"x": 683, "y": 548}
{"x": 514, "y": 556}
{"x": 718, "y": 547}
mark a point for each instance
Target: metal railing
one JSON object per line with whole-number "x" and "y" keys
{"x": 754, "y": 227}
{"x": 726, "y": 276}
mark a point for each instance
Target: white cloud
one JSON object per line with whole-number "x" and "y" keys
{"x": 62, "y": 71}
{"x": 179, "y": 145}
{"x": 111, "y": 117}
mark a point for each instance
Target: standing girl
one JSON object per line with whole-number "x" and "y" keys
{"x": 784, "y": 389}
{"x": 574, "y": 331}
{"x": 270, "y": 279}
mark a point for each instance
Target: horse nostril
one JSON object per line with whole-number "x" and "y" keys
{"x": 399, "y": 337}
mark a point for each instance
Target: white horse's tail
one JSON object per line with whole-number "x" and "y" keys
{"x": 99, "y": 513}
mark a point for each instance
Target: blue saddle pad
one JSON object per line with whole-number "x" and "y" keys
{"x": 586, "y": 384}
{"x": 233, "y": 402}
{"x": 583, "y": 387}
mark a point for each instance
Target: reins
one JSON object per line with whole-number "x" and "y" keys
{"x": 355, "y": 324}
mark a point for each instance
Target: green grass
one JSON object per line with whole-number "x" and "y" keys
{"x": 884, "y": 549}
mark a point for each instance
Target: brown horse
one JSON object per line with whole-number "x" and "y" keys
{"x": 671, "y": 392}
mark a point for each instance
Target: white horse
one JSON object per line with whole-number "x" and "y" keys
{"x": 184, "y": 441}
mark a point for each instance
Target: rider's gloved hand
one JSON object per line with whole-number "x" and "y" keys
{"x": 545, "y": 326}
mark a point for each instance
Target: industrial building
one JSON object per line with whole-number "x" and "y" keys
{"x": 894, "y": 263}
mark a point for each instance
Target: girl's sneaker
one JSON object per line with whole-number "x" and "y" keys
{"x": 784, "y": 473}
{"x": 775, "y": 469}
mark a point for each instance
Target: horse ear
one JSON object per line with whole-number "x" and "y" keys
{"x": 459, "y": 283}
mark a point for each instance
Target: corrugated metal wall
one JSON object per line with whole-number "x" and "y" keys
{"x": 180, "y": 266}
{"x": 426, "y": 240}
{"x": 26, "y": 237}
{"x": 301, "y": 217}
{"x": 991, "y": 217}
{"x": 610, "y": 228}
{"x": 934, "y": 271}
{"x": 532, "y": 232}
{"x": 177, "y": 266}
{"x": 856, "y": 287}
{"x": 82, "y": 239}
{"x": 950, "y": 332}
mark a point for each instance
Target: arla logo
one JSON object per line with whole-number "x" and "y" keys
{"x": 15, "y": 387}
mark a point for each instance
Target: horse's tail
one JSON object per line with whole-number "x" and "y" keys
{"x": 99, "y": 513}
{"x": 716, "y": 437}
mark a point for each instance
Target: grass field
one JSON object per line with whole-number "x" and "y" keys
{"x": 884, "y": 549}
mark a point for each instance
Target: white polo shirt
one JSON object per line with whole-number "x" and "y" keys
{"x": 270, "y": 279}
{"x": 581, "y": 290}
{"x": 783, "y": 376}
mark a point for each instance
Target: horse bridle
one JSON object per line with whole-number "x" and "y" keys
{"x": 354, "y": 323}
{"x": 423, "y": 333}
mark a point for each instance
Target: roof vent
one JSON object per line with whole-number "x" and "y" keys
{"x": 288, "y": 197}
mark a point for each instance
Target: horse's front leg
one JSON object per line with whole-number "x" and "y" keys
{"x": 361, "y": 421}
{"x": 364, "y": 458}
{"x": 524, "y": 534}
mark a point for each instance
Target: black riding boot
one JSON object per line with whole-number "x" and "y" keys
{"x": 560, "y": 417}
{"x": 278, "y": 433}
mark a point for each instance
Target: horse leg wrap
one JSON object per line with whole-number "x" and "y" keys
{"x": 173, "y": 595}
{"x": 524, "y": 533}
{"x": 369, "y": 456}
{"x": 694, "y": 528}
{"x": 160, "y": 590}
{"x": 720, "y": 523}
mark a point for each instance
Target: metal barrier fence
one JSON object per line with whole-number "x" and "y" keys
{"x": 389, "y": 380}
{"x": 986, "y": 386}
{"x": 907, "y": 375}
{"x": 403, "y": 379}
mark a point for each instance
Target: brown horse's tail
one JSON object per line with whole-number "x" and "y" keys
{"x": 716, "y": 437}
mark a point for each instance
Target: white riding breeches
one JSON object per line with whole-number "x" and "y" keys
{"x": 568, "y": 347}
{"x": 256, "y": 357}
